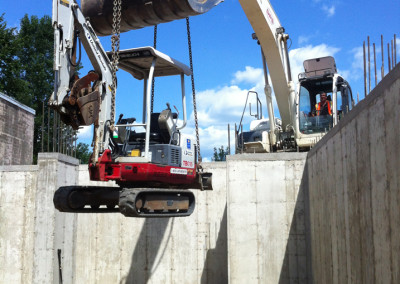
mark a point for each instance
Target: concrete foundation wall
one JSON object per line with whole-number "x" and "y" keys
{"x": 16, "y": 132}
{"x": 109, "y": 248}
{"x": 266, "y": 219}
{"x": 354, "y": 187}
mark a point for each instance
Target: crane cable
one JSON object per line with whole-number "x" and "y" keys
{"x": 193, "y": 90}
{"x": 154, "y": 80}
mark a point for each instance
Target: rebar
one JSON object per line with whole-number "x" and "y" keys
{"x": 395, "y": 50}
{"x": 42, "y": 138}
{"x": 392, "y": 53}
{"x": 383, "y": 64}
{"x": 376, "y": 78}
{"x": 365, "y": 71}
{"x": 389, "y": 67}
{"x": 48, "y": 129}
{"x": 369, "y": 67}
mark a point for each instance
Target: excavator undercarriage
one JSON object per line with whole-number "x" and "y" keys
{"x": 131, "y": 202}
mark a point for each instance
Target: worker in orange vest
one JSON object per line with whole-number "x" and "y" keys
{"x": 324, "y": 106}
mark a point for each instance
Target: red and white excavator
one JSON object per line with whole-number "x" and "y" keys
{"x": 149, "y": 157}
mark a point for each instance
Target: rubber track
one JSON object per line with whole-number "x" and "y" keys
{"x": 61, "y": 197}
{"x": 127, "y": 200}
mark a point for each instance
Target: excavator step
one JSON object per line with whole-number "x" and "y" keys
{"x": 131, "y": 202}
{"x": 147, "y": 203}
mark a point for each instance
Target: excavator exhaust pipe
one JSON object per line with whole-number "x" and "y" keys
{"x": 137, "y": 14}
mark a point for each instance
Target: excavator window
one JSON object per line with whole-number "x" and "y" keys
{"x": 310, "y": 120}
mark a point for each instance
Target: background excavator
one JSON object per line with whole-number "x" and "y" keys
{"x": 299, "y": 126}
{"x": 153, "y": 163}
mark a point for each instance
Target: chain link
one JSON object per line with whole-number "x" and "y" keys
{"x": 193, "y": 89}
{"x": 115, "y": 42}
{"x": 154, "y": 80}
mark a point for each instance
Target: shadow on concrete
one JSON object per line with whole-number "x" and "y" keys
{"x": 147, "y": 248}
{"x": 216, "y": 263}
{"x": 296, "y": 266}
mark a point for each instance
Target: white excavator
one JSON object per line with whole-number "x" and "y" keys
{"x": 153, "y": 163}
{"x": 302, "y": 123}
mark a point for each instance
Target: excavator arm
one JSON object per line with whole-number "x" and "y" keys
{"x": 272, "y": 38}
{"x": 87, "y": 100}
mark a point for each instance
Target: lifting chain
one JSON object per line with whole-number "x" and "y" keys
{"x": 115, "y": 41}
{"x": 154, "y": 80}
{"x": 193, "y": 90}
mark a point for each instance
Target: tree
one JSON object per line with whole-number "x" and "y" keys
{"x": 220, "y": 154}
{"x": 10, "y": 67}
{"x": 83, "y": 153}
{"x": 26, "y": 68}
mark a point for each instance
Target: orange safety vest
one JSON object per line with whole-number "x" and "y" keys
{"x": 318, "y": 108}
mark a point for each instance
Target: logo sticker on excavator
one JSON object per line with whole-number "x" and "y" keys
{"x": 178, "y": 171}
{"x": 189, "y": 144}
{"x": 64, "y": 2}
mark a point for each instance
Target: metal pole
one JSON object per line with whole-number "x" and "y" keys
{"x": 236, "y": 139}
{"x": 383, "y": 64}
{"x": 376, "y": 78}
{"x": 59, "y": 134}
{"x": 369, "y": 67}
{"x": 392, "y": 53}
{"x": 229, "y": 139}
{"x": 395, "y": 50}
{"x": 42, "y": 138}
{"x": 54, "y": 131}
{"x": 389, "y": 66}
{"x": 365, "y": 71}
{"x": 48, "y": 129}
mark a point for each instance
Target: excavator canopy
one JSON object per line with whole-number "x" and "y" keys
{"x": 138, "y": 61}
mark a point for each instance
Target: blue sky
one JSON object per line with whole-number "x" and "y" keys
{"x": 227, "y": 62}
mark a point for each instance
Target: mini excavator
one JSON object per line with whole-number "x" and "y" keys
{"x": 153, "y": 163}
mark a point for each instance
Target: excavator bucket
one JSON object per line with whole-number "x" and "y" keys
{"x": 136, "y": 14}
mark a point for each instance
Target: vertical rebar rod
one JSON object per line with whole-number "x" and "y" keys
{"x": 42, "y": 138}
{"x": 54, "y": 131}
{"x": 395, "y": 50}
{"x": 392, "y": 53}
{"x": 389, "y": 66}
{"x": 365, "y": 71}
{"x": 229, "y": 139}
{"x": 59, "y": 133}
{"x": 369, "y": 67}
{"x": 236, "y": 139}
{"x": 76, "y": 138}
{"x": 358, "y": 97}
{"x": 376, "y": 79}
{"x": 383, "y": 61}
{"x": 48, "y": 129}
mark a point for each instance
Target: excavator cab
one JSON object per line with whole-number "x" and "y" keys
{"x": 315, "y": 117}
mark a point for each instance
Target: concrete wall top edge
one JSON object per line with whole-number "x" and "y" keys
{"x": 378, "y": 91}
{"x": 58, "y": 156}
{"x": 282, "y": 156}
{"x": 19, "y": 168}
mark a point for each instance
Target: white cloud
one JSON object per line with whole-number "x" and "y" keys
{"x": 297, "y": 56}
{"x": 85, "y": 133}
{"x": 249, "y": 75}
{"x": 304, "y": 39}
{"x": 329, "y": 10}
